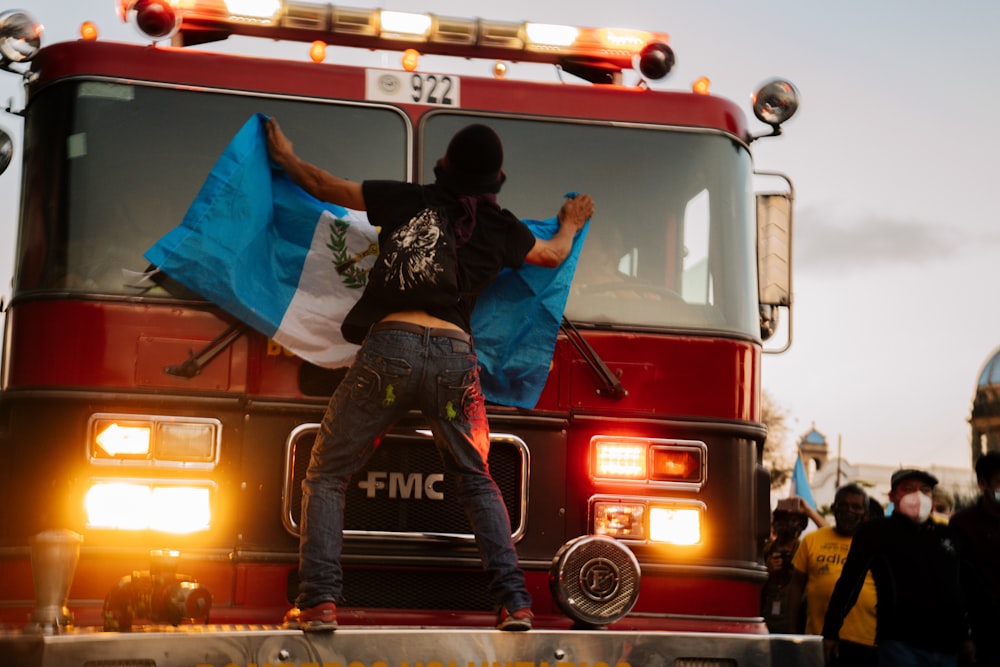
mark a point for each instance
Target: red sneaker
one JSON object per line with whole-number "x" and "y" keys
{"x": 514, "y": 621}
{"x": 321, "y": 618}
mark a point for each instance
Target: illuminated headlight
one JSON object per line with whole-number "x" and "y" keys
{"x": 620, "y": 459}
{"x": 669, "y": 463}
{"x": 675, "y": 525}
{"x": 133, "y": 505}
{"x": 154, "y": 441}
{"x": 648, "y": 520}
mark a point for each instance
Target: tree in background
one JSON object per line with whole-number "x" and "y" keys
{"x": 776, "y": 459}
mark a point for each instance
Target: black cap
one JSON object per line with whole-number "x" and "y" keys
{"x": 908, "y": 473}
{"x": 473, "y": 162}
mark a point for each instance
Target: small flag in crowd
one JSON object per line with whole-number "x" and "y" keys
{"x": 264, "y": 250}
{"x": 800, "y": 483}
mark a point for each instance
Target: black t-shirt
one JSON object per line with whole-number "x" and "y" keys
{"x": 499, "y": 240}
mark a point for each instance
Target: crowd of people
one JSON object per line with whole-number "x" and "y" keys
{"x": 916, "y": 585}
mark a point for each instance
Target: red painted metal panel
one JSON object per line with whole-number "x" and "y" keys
{"x": 188, "y": 67}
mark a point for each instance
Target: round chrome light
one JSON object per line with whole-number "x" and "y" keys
{"x": 775, "y": 102}
{"x": 656, "y": 60}
{"x": 6, "y": 150}
{"x": 595, "y": 580}
{"x": 20, "y": 36}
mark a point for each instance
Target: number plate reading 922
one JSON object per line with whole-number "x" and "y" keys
{"x": 440, "y": 90}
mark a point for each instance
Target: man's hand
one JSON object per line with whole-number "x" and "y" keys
{"x": 279, "y": 147}
{"x": 775, "y": 561}
{"x": 576, "y": 211}
{"x": 572, "y": 217}
{"x": 316, "y": 181}
{"x": 831, "y": 649}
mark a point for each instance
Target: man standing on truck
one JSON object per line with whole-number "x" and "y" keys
{"x": 417, "y": 353}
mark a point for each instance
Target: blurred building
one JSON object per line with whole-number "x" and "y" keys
{"x": 827, "y": 474}
{"x": 814, "y": 450}
{"x": 985, "y": 418}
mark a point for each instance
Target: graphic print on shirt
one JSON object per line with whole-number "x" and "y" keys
{"x": 411, "y": 257}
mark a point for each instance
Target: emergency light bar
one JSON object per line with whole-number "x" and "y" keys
{"x": 189, "y": 22}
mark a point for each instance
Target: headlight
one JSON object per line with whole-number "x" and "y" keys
{"x": 649, "y": 520}
{"x": 147, "y": 505}
{"x": 677, "y": 464}
{"x": 675, "y": 525}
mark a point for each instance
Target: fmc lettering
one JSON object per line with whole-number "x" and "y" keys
{"x": 400, "y": 485}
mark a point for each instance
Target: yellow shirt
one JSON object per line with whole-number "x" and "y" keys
{"x": 820, "y": 556}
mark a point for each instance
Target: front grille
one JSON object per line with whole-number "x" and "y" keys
{"x": 404, "y": 488}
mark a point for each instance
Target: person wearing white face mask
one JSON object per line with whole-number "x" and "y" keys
{"x": 921, "y": 609}
{"x": 977, "y": 534}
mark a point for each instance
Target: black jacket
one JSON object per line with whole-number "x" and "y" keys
{"x": 917, "y": 580}
{"x": 977, "y": 534}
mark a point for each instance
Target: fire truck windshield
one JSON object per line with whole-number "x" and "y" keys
{"x": 111, "y": 167}
{"x": 672, "y": 244}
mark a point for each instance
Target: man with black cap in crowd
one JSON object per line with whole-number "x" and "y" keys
{"x": 977, "y": 534}
{"x": 417, "y": 353}
{"x": 920, "y": 609}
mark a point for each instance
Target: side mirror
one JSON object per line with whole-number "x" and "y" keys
{"x": 6, "y": 150}
{"x": 774, "y": 258}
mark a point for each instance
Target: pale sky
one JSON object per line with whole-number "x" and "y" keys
{"x": 891, "y": 154}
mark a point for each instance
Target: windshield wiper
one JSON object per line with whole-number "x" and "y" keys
{"x": 611, "y": 385}
{"x": 197, "y": 360}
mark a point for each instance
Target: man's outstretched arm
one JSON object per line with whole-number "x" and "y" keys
{"x": 319, "y": 183}
{"x": 572, "y": 216}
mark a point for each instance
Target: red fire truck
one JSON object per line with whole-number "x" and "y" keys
{"x": 152, "y": 447}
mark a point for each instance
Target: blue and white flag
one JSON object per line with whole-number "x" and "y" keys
{"x": 516, "y": 322}
{"x": 264, "y": 250}
{"x": 800, "y": 483}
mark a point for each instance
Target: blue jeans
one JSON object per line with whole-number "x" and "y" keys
{"x": 897, "y": 654}
{"x": 397, "y": 371}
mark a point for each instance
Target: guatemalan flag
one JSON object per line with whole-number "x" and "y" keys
{"x": 267, "y": 252}
{"x": 800, "y": 483}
